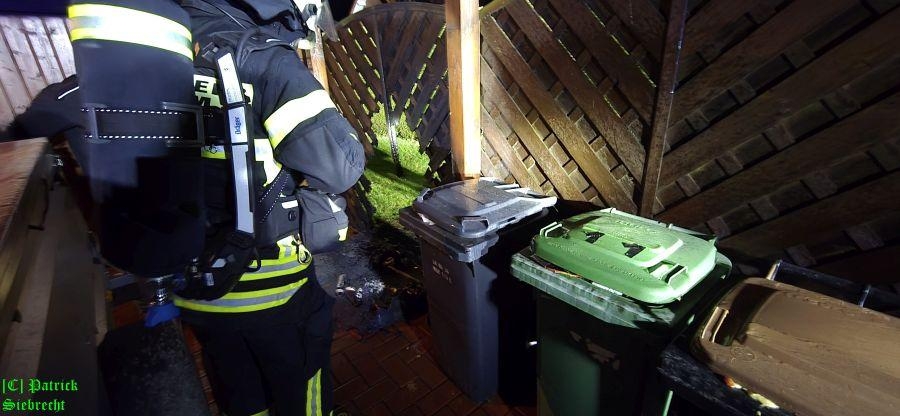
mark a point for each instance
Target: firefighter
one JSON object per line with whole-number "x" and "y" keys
{"x": 267, "y": 340}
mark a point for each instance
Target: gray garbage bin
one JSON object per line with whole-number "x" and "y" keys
{"x": 468, "y": 231}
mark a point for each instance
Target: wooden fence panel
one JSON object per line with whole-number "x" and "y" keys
{"x": 782, "y": 139}
{"x": 393, "y": 58}
{"x": 782, "y": 111}
{"x": 34, "y": 52}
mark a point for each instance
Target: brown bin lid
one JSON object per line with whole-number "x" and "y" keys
{"x": 808, "y": 352}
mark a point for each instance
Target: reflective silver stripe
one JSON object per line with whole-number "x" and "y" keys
{"x": 67, "y": 93}
{"x": 242, "y": 187}
{"x": 237, "y": 124}
{"x": 208, "y": 95}
{"x": 265, "y": 155}
{"x": 228, "y": 72}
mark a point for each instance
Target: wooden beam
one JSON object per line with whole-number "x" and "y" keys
{"x": 317, "y": 61}
{"x": 664, "y": 94}
{"x": 464, "y": 70}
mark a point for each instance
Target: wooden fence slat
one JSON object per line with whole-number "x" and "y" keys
{"x": 358, "y": 57}
{"x": 422, "y": 46}
{"x": 13, "y": 84}
{"x": 21, "y": 52}
{"x": 439, "y": 110}
{"x": 337, "y": 85}
{"x": 339, "y": 76}
{"x": 59, "y": 37}
{"x": 821, "y": 219}
{"x": 664, "y": 96}
{"x": 389, "y": 27}
{"x": 494, "y": 92}
{"x": 362, "y": 117}
{"x": 569, "y": 135}
{"x": 488, "y": 168}
{"x": 619, "y": 67}
{"x": 43, "y": 49}
{"x": 406, "y": 54}
{"x": 769, "y": 40}
{"x": 644, "y": 21}
{"x": 364, "y": 135}
{"x": 438, "y": 156}
{"x": 847, "y": 61}
{"x": 850, "y": 136}
{"x": 356, "y": 60}
{"x": 434, "y": 74}
{"x": 512, "y": 162}
{"x": 369, "y": 50}
{"x": 710, "y": 20}
{"x": 356, "y": 81}
{"x": 6, "y": 110}
{"x": 611, "y": 127}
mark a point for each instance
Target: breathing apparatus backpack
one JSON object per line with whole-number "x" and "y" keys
{"x": 143, "y": 132}
{"x": 260, "y": 215}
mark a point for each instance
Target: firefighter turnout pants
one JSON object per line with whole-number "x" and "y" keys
{"x": 274, "y": 369}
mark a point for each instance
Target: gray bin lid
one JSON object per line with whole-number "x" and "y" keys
{"x": 476, "y": 207}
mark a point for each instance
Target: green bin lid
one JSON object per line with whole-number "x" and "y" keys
{"x": 639, "y": 258}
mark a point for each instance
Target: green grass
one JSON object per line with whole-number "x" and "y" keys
{"x": 390, "y": 192}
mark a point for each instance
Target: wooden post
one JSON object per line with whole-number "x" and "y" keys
{"x": 464, "y": 70}
{"x": 665, "y": 93}
{"x": 317, "y": 60}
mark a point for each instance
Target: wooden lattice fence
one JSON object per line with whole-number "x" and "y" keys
{"x": 394, "y": 57}
{"x": 784, "y": 137}
{"x": 781, "y": 137}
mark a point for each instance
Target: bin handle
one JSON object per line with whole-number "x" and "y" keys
{"x": 426, "y": 193}
{"x": 468, "y": 224}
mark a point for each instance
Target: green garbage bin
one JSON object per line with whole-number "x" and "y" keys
{"x": 613, "y": 289}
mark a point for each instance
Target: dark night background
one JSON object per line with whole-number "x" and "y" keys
{"x": 44, "y": 7}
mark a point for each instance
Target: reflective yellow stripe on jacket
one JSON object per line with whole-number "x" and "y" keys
{"x": 121, "y": 24}
{"x": 294, "y": 112}
{"x": 292, "y": 259}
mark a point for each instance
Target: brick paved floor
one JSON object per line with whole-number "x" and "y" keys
{"x": 393, "y": 372}
{"x": 389, "y": 372}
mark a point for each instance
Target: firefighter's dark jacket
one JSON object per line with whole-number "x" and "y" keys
{"x": 295, "y": 129}
{"x": 308, "y": 136}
